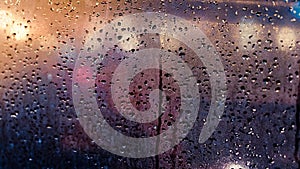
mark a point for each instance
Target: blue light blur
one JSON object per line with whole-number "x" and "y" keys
{"x": 296, "y": 9}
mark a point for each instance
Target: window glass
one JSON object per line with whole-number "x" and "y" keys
{"x": 149, "y": 84}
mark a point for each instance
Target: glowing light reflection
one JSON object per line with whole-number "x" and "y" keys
{"x": 295, "y": 9}
{"x": 286, "y": 38}
{"x": 235, "y": 166}
{"x": 249, "y": 32}
{"x": 12, "y": 26}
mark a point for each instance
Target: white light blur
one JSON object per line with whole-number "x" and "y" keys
{"x": 235, "y": 166}
{"x": 12, "y": 26}
{"x": 5, "y": 19}
{"x": 20, "y": 31}
{"x": 248, "y": 32}
{"x": 286, "y": 38}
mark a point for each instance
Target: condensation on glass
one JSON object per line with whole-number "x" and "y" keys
{"x": 258, "y": 43}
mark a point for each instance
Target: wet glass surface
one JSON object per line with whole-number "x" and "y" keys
{"x": 41, "y": 43}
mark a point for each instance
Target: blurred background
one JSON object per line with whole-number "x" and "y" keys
{"x": 259, "y": 45}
